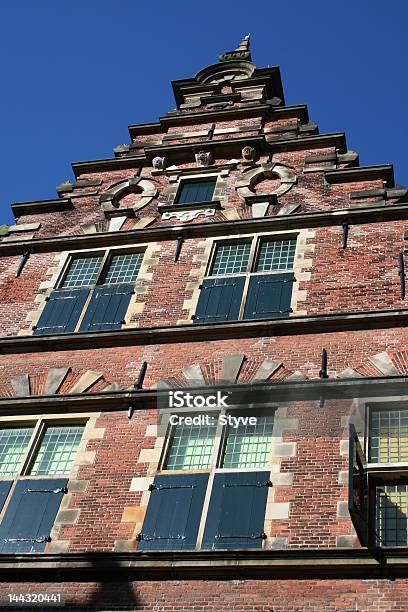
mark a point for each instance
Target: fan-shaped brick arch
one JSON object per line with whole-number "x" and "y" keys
{"x": 386, "y": 363}
{"x": 57, "y": 380}
{"x": 231, "y": 369}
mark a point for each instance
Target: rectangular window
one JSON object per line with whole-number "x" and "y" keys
{"x": 95, "y": 290}
{"x": 249, "y": 279}
{"x": 190, "y": 447}
{"x": 242, "y": 445}
{"x": 123, "y": 268}
{"x": 196, "y": 191}
{"x": 233, "y": 485}
{"x": 82, "y": 272}
{"x": 392, "y": 514}
{"x": 249, "y": 446}
{"x": 378, "y": 496}
{"x": 275, "y": 255}
{"x": 31, "y": 504}
{"x": 231, "y": 259}
{"x": 389, "y": 436}
{"x": 57, "y": 450}
{"x": 13, "y": 447}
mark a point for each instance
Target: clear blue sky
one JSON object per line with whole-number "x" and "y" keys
{"x": 75, "y": 73}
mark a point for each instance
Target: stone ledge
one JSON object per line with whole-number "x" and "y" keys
{"x": 303, "y": 324}
{"x": 355, "y": 215}
{"x": 338, "y": 562}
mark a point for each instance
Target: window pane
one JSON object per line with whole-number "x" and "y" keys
{"x": 123, "y": 268}
{"x": 391, "y": 515}
{"x": 249, "y": 446}
{"x": 389, "y": 436}
{"x": 275, "y": 255}
{"x": 231, "y": 258}
{"x": 57, "y": 450}
{"x": 191, "y": 447}
{"x": 13, "y": 445}
{"x": 82, "y": 272}
{"x": 197, "y": 191}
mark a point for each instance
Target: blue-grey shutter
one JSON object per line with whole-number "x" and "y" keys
{"x": 269, "y": 296}
{"x": 358, "y": 487}
{"x": 107, "y": 308}
{"x": 220, "y": 299}
{"x": 236, "y": 512}
{"x": 61, "y": 312}
{"x": 5, "y": 486}
{"x": 174, "y": 512}
{"x": 30, "y": 515}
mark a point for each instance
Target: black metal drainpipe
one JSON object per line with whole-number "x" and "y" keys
{"x": 323, "y": 373}
{"x": 179, "y": 244}
{"x": 138, "y": 385}
{"x": 401, "y": 273}
{"x": 345, "y": 234}
{"x": 22, "y": 263}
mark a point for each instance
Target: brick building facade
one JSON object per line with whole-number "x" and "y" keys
{"x": 229, "y": 247}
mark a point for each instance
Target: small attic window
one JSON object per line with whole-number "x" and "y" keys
{"x": 196, "y": 191}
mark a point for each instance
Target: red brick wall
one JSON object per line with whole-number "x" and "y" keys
{"x": 322, "y": 595}
{"x": 364, "y": 276}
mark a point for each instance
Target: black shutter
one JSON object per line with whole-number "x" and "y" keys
{"x": 30, "y": 515}
{"x": 237, "y": 510}
{"x": 61, "y": 312}
{"x": 269, "y": 296}
{"x": 174, "y": 512}
{"x": 107, "y": 308}
{"x": 358, "y": 487}
{"x": 5, "y": 486}
{"x": 220, "y": 299}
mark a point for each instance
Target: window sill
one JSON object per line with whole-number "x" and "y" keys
{"x": 374, "y": 468}
{"x": 190, "y": 206}
{"x": 312, "y": 562}
{"x": 206, "y": 332}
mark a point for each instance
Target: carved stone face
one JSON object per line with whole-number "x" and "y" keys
{"x": 203, "y": 158}
{"x": 248, "y": 153}
{"x": 159, "y": 163}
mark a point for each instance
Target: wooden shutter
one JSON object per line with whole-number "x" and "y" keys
{"x": 5, "y": 486}
{"x": 30, "y": 515}
{"x": 61, "y": 312}
{"x": 220, "y": 299}
{"x": 358, "y": 487}
{"x": 269, "y": 296}
{"x": 174, "y": 512}
{"x": 237, "y": 510}
{"x": 107, "y": 308}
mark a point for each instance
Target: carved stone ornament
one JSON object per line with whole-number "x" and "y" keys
{"x": 188, "y": 215}
{"x": 203, "y": 159}
{"x": 110, "y": 200}
{"x": 159, "y": 163}
{"x": 248, "y": 153}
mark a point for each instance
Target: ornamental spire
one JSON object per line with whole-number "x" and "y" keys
{"x": 242, "y": 52}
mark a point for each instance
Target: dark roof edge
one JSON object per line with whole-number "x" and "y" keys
{"x": 111, "y": 163}
{"x": 157, "y": 126}
{"x": 348, "y": 175}
{"x": 139, "y": 336}
{"x": 37, "y": 206}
